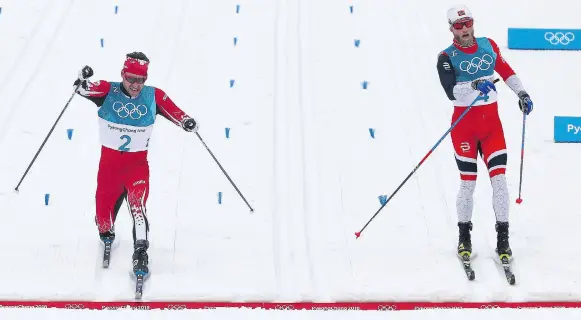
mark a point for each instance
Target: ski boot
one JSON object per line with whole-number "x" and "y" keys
{"x": 107, "y": 237}
{"x": 502, "y": 246}
{"x": 464, "y": 241}
{"x": 140, "y": 258}
{"x": 140, "y": 269}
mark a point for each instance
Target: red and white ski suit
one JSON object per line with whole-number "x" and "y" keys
{"x": 124, "y": 175}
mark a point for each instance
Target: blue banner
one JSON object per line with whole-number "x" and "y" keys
{"x": 567, "y": 129}
{"x": 544, "y": 39}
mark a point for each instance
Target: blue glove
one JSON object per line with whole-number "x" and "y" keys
{"x": 483, "y": 86}
{"x": 525, "y": 103}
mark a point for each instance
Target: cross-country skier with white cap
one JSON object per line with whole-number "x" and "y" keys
{"x": 466, "y": 69}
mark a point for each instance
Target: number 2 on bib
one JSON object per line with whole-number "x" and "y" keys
{"x": 123, "y": 147}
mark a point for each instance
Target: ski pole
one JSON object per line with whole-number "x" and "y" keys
{"x": 47, "y": 136}
{"x": 480, "y": 97}
{"x": 522, "y": 155}
{"x": 224, "y": 171}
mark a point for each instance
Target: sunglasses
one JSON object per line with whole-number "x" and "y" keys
{"x": 460, "y": 25}
{"x": 134, "y": 80}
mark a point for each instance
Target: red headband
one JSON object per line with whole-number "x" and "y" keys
{"x": 135, "y": 66}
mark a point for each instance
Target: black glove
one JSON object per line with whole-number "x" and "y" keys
{"x": 525, "y": 103}
{"x": 190, "y": 125}
{"x": 85, "y": 73}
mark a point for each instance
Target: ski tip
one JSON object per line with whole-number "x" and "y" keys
{"x": 357, "y": 235}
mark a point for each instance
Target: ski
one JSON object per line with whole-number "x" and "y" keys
{"x": 467, "y": 264}
{"x": 505, "y": 262}
{"x": 107, "y": 254}
{"x": 139, "y": 286}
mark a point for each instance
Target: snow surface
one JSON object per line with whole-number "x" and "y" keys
{"x": 299, "y": 150}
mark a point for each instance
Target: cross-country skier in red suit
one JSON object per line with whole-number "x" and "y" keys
{"x": 466, "y": 69}
{"x": 127, "y": 112}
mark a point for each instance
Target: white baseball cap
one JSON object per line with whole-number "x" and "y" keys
{"x": 459, "y": 12}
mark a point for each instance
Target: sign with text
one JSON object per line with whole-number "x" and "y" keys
{"x": 567, "y": 129}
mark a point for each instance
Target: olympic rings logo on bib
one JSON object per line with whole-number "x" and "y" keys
{"x": 477, "y": 64}
{"x": 131, "y": 110}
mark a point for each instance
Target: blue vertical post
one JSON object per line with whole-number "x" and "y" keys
{"x": 231, "y": 83}
{"x": 70, "y": 133}
{"x": 102, "y": 42}
{"x": 116, "y": 9}
{"x": 227, "y": 133}
{"x": 46, "y": 198}
{"x": 364, "y": 85}
{"x": 237, "y": 8}
{"x": 219, "y": 197}
{"x": 351, "y": 9}
{"x": 357, "y": 42}
{"x": 372, "y": 132}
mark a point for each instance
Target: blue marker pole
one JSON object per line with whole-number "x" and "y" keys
{"x": 219, "y": 197}
{"x": 46, "y": 198}
{"x": 382, "y": 199}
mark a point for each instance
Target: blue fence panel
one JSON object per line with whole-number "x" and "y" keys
{"x": 544, "y": 39}
{"x": 567, "y": 129}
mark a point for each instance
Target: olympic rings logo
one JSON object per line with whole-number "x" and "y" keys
{"x": 74, "y": 306}
{"x": 559, "y": 37}
{"x": 476, "y": 64}
{"x": 176, "y": 306}
{"x": 284, "y": 307}
{"x": 131, "y": 110}
{"x": 489, "y": 306}
{"x": 386, "y": 308}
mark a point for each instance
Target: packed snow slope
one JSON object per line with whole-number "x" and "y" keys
{"x": 289, "y": 88}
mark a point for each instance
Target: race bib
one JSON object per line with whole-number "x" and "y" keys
{"x": 123, "y": 137}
